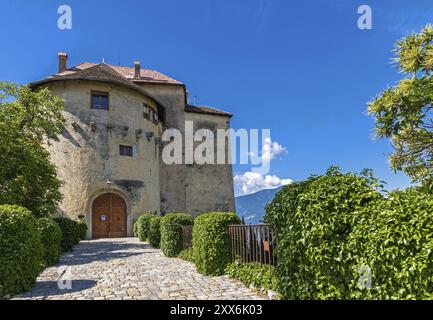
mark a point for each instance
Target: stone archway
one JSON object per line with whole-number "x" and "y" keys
{"x": 109, "y": 216}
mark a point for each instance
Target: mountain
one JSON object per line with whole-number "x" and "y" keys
{"x": 252, "y": 207}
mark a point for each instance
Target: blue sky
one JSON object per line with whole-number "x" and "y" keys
{"x": 301, "y": 68}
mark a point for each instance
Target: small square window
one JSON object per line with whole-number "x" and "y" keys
{"x": 99, "y": 100}
{"x": 126, "y": 151}
{"x": 146, "y": 111}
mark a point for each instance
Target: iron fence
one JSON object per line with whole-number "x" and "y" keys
{"x": 253, "y": 243}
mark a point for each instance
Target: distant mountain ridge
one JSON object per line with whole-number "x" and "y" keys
{"x": 252, "y": 207}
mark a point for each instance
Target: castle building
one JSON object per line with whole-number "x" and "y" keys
{"x": 110, "y": 154}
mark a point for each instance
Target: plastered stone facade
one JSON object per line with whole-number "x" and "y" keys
{"x": 88, "y": 160}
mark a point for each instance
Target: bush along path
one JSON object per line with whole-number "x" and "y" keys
{"x": 126, "y": 269}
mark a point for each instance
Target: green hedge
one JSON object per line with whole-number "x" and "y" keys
{"x": 211, "y": 243}
{"x": 313, "y": 224}
{"x": 51, "y": 237}
{"x": 171, "y": 232}
{"x": 135, "y": 228}
{"x": 70, "y": 233}
{"x": 187, "y": 254}
{"x": 82, "y": 229}
{"x": 142, "y": 228}
{"x": 155, "y": 231}
{"x": 254, "y": 274}
{"x": 20, "y": 250}
{"x": 395, "y": 240}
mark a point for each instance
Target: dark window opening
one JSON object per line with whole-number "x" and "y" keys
{"x": 99, "y": 100}
{"x": 126, "y": 151}
{"x": 146, "y": 111}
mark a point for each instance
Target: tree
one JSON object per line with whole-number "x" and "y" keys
{"x": 28, "y": 119}
{"x": 404, "y": 113}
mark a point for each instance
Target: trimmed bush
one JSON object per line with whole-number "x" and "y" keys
{"x": 82, "y": 229}
{"x": 211, "y": 243}
{"x": 171, "y": 232}
{"x": 70, "y": 233}
{"x": 155, "y": 231}
{"x": 143, "y": 226}
{"x": 51, "y": 237}
{"x": 394, "y": 240}
{"x": 135, "y": 228}
{"x": 313, "y": 223}
{"x": 20, "y": 250}
{"x": 187, "y": 254}
{"x": 254, "y": 274}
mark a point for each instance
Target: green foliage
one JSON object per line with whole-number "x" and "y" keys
{"x": 71, "y": 233}
{"x": 171, "y": 232}
{"x": 404, "y": 113}
{"x": 82, "y": 229}
{"x": 20, "y": 250}
{"x": 135, "y": 228}
{"x": 187, "y": 254}
{"x": 254, "y": 274}
{"x": 51, "y": 237}
{"x": 395, "y": 240}
{"x": 27, "y": 120}
{"x": 211, "y": 243}
{"x": 143, "y": 226}
{"x": 155, "y": 231}
{"x": 312, "y": 222}
{"x": 279, "y": 211}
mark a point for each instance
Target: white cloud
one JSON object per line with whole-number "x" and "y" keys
{"x": 250, "y": 182}
{"x": 270, "y": 150}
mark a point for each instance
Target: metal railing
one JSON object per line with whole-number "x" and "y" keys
{"x": 253, "y": 243}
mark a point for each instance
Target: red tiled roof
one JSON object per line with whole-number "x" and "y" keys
{"x": 207, "y": 110}
{"x": 129, "y": 73}
{"x": 98, "y": 72}
{"x": 124, "y": 76}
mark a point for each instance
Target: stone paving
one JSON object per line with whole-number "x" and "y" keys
{"x": 126, "y": 269}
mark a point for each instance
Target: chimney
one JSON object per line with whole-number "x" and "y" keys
{"x": 63, "y": 61}
{"x": 137, "y": 66}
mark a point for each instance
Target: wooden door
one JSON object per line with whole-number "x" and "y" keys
{"x": 109, "y": 216}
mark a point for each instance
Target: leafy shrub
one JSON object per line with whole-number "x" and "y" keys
{"x": 395, "y": 240}
{"x": 70, "y": 233}
{"x": 135, "y": 228}
{"x": 28, "y": 118}
{"x": 20, "y": 250}
{"x": 316, "y": 222}
{"x": 82, "y": 229}
{"x": 155, "y": 231}
{"x": 254, "y": 274}
{"x": 171, "y": 232}
{"x": 143, "y": 226}
{"x": 187, "y": 254}
{"x": 51, "y": 237}
{"x": 211, "y": 243}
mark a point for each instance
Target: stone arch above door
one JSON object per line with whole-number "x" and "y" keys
{"x": 109, "y": 216}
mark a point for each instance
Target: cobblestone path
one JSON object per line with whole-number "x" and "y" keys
{"x": 128, "y": 269}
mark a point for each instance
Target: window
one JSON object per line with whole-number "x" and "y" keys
{"x": 99, "y": 100}
{"x": 149, "y": 113}
{"x": 126, "y": 151}
{"x": 155, "y": 117}
{"x": 146, "y": 111}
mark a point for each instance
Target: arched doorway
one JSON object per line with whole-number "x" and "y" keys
{"x": 108, "y": 216}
